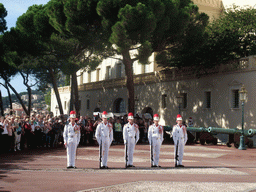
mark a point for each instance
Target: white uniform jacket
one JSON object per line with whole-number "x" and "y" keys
{"x": 155, "y": 132}
{"x": 131, "y": 132}
{"x": 104, "y": 133}
{"x": 179, "y": 132}
{"x": 71, "y": 133}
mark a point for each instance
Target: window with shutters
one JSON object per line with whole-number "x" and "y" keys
{"x": 208, "y": 98}
{"x": 235, "y": 98}
{"x": 88, "y": 103}
{"x": 98, "y": 74}
{"x": 108, "y": 72}
{"x": 164, "y": 101}
{"x": 118, "y": 70}
{"x": 89, "y": 76}
{"x": 184, "y": 104}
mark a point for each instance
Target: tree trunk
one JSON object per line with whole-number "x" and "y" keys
{"x": 56, "y": 91}
{"x": 29, "y": 98}
{"x": 71, "y": 106}
{"x": 128, "y": 63}
{"x": 1, "y": 104}
{"x": 76, "y": 95}
{"x": 10, "y": 98}
{"x": 19, "y": 98}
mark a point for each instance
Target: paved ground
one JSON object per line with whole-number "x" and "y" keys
{"x": 208, "y": 168}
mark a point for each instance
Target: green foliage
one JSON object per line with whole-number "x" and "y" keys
{"x": 3, "y": 14}
{"x": 35, "y": 22}
{"x": 188, "y": 38}
{"x": 230, "y": 37}
{"x": 166, "y": 26}
{"x": 80, "y": 27}
{"x": 237, "y": 28}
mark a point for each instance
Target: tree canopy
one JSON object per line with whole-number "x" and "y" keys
{"x": 230, "y": 37}
{"x": 148, "y": 26}
{"x": 3, "y": 14}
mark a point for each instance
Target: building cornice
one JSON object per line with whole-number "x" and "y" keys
{"x": 239, "y": 66}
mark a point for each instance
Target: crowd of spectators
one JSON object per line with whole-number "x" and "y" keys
{"x": 37, "y": 131}
{"x": 89, "y": 125}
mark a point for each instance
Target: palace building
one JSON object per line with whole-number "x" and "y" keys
{"x": 210, "y": 100}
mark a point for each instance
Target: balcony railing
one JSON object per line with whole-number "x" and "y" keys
{"x": 165, "y": 76}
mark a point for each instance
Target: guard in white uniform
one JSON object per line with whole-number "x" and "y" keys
{"x": 131, "y": 136}
{"x": 179, "y": 132}
{"x": 155, "y": 138}
{"x": 71, "y": 136}
{"x": 104, "y": 136}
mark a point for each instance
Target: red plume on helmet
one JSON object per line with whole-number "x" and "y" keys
{"x": 179, "y": 117}
{"x": 156, "y": 117}
{"x": 72, "y": 114}
{"x": 130, "y": 115}
{"x": 104, "y": 114}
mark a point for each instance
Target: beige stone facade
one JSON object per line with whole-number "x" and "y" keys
{"x": 211, "y": 98}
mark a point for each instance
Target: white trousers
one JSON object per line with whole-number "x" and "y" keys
{"x": 17, "y": 141}
{"x": 104, "y": 152}
{"x": 130, "y": 150}
{"x": 180, "y": 152}
{"x": 71, "y": 153}
{"x": 156, "y": 150}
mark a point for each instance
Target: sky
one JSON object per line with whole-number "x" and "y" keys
{"x": 16, "y": 8}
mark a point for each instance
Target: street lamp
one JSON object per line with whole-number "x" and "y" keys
{"x": 242, "y": 96}
{"x": 179, "y": 99}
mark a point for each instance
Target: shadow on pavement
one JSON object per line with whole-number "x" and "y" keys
{"x": 13, "y": 160}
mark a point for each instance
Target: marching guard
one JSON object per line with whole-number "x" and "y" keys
{"x": 155, "y": 138}
{"x": 179, "y": 133}
{"x": 104, "y": 136}
{"x": 131, "y": 136}
{"x": 71, "y": 136}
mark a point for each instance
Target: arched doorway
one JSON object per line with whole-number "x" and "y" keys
{"x": 148, "y": 110}
{"x": 119, "y": 106}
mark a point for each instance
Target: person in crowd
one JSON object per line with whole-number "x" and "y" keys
{"x": 4, "y": 137}
{"x": 141, "y": 129}
{"x": 38, "y": 135}
{"x": 89, "y": 131}
{"x": 28, "y": 133}
{"x": 47, "y": 136}
{"x": 37, "y": 130}
{"x": 17, "y": 133}
{"x": 118, "y": 131}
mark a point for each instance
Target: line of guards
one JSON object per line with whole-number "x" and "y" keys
{"x": 104, "y": 136}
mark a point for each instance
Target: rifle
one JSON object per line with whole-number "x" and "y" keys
{"x": 151, "y": 152}
{"x": 76, "y": 152}
{"x": 176, "y": 153}
{"x": 126, "y": 153}
{"x": 100, "y": 153}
